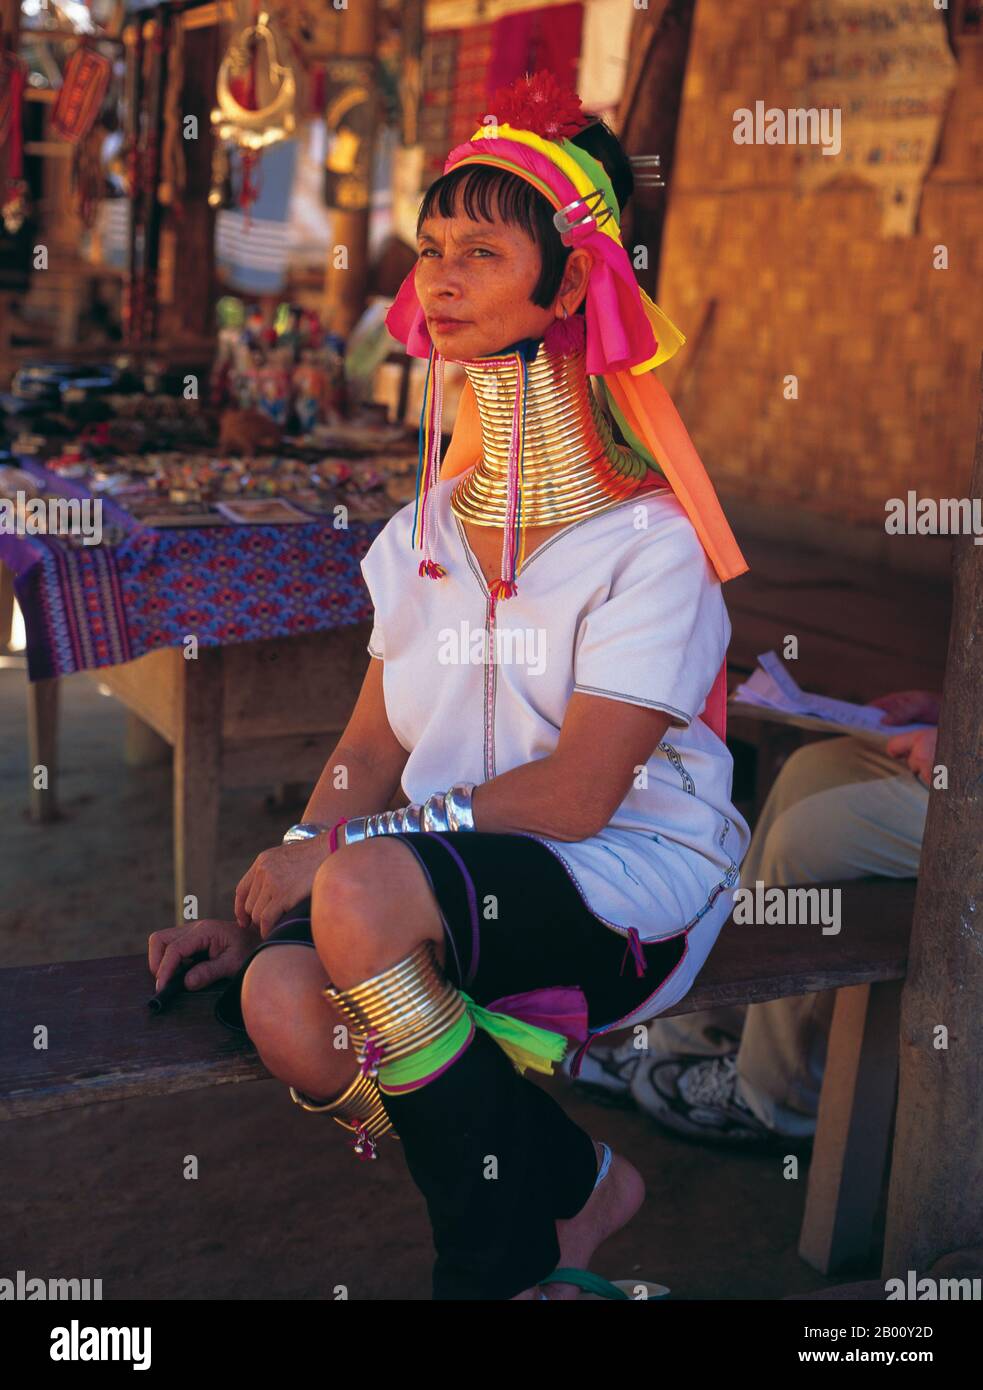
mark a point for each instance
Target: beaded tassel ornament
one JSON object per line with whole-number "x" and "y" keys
{"x": 428, "y": 466}
{"x": 428, "y": 470}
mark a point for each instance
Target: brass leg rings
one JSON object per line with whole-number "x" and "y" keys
{"x": 358, "y": 1109}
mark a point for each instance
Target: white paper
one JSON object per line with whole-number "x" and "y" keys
{"x": 773, "y": 687}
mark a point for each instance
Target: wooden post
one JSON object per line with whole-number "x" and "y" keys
{"x": 7, "y": 597}
{"x": 9, "y": 22}
{"x": 648, "y": 116}
{"x": 42, "y": 746}
{"x": 854, "y": 1126}
{"x": 934, "y": 1201}
{"x": 192, "y": 314}
{"x": 353, "y": 68}
{"x": 143, "y": 745}
{"x": 197, "y": 780}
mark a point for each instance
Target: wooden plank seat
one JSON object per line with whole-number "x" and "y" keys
{"x": 104, "y": 1044}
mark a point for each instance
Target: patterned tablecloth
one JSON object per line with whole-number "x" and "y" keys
{"x": 87, "y": 606}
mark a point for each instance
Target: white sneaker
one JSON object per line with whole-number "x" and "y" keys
{"x": 607, "y": 1072}
{"x": 697, "y": 1097}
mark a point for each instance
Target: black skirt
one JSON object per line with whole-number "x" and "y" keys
{"x": 513, "y": 922}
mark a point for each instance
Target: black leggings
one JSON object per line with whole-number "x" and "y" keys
{"x": 496, "y": 1157}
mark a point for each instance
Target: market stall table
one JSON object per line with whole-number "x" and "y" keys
{"x": 243, "y": 646}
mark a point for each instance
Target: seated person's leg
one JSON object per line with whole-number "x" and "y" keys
{"x": 839, "y": 809}
{"x": 870, "y": 825}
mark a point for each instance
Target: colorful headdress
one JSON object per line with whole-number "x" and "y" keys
{"x": 627, "y": 335}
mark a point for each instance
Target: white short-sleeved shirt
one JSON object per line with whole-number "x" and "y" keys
{"x": 623, "y": 606}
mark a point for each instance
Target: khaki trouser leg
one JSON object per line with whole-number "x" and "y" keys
{"x": 839, "y": 809}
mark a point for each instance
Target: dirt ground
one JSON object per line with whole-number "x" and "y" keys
{"x": 280, "y": 1209}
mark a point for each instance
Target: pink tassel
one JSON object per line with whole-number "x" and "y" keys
{"x": 372, "y": 1055}
{"x": 635, "y": 947}
{"x": 363, "y": 1143}
{"x": 429, "y": 568}
{"x": 505, "y": 587}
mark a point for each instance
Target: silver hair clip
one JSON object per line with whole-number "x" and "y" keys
{"x": 597, "y": 212}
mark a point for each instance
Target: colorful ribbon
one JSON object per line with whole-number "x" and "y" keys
{"x": 526, "y": 1043}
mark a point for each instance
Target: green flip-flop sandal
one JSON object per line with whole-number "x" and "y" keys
{"x": 630, "y": 1290}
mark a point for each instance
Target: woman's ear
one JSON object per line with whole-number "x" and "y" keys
{"x": 464, "y": 449}
{"x": 576, "y": 275}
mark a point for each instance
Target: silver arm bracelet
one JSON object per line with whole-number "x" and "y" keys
{"x": 353, "y": 830}
{"x": 434, "y": 813}
{"x": 450, "y": 810}
{"x": 382, "y": 823}
{"x": 409, "y": 820}
{"x": 457, "y": 802}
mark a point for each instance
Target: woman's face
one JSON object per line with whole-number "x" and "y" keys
{"x": 475, "y": 280}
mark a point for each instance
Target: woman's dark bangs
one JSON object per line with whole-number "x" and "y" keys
{"x": 481, "y": 191}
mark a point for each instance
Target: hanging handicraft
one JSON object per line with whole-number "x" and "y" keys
{"x": 250, "y": 128}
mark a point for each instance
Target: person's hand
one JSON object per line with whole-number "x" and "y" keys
{"x": 278, "y": 880}
{"x": 227, "y": 945}
{"x": 909, "y": 707}
{"x": 917, "y": 750}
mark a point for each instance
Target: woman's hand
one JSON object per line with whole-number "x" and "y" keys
{"x": 227, "y": 945}
{"x": 909, "y": 707}
{"x": 278, "y": 880}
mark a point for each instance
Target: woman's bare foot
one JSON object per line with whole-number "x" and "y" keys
{"x": 610, "y": 1206}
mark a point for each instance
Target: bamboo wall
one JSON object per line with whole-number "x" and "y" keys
{"x": 886, "y": 349}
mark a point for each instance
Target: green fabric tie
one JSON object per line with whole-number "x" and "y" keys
{"x": 526, "y": 1044}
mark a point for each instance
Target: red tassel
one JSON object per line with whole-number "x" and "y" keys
{"x": 363, "y": 1143}
{"x": 429, "y": 569}
{"x": 372, "y": 1055}
{"x": 635, "y": 947}
{"x": 249, "y": 189}
{"x": 503, "y": 588}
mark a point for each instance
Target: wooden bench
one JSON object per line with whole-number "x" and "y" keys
{"x": 103, "y": 1043}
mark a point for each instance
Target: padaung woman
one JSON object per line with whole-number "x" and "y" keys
{"x": 546, "y": 688}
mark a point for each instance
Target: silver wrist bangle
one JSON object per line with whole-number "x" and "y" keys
{"x": 304, "y": 830}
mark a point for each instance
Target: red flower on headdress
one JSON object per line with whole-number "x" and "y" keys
{"x": 540, "y": 104}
